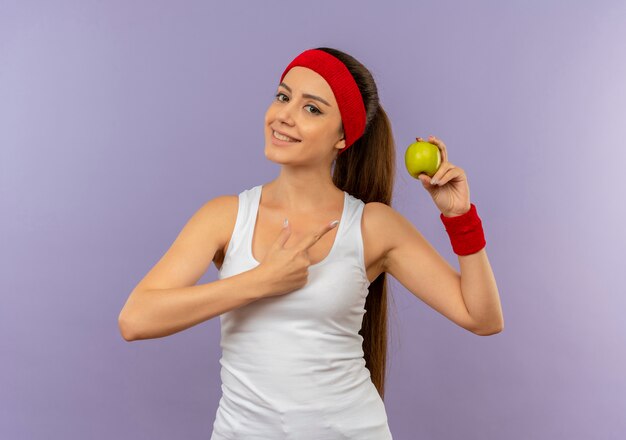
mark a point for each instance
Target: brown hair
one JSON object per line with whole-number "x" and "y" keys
{"x": 366, "y": 170}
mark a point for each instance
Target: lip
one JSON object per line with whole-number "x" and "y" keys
{"x": 278, "y": 142}
{"x": 285, "y": 134}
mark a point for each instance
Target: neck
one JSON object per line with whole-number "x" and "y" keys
{"x": 302, "y": 191}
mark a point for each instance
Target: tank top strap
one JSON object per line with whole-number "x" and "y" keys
{"x": 235, "y": 260}
{"x": 253, "y": 199}
{"x": 350, "y": 248}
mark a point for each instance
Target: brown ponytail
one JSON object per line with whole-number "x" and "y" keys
{"x": 366, "y": 170}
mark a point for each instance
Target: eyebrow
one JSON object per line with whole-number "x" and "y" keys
{"x": 306, "y": 95}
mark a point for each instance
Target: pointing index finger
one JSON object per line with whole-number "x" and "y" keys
{"x": 313, "y": 238}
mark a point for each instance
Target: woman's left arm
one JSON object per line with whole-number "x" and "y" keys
{"x": 450, "y": 191}
{"x": 471, "y": 298}
{"x": 480, "y": 292}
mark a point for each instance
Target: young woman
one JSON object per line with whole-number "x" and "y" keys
{"x": 302, "y": 299}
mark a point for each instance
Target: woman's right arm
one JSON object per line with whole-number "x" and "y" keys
{"x": 167, "y": 300}
{"x": 161, "y": 312}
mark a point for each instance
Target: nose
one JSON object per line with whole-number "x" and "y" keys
{"x": 285, "y": 112}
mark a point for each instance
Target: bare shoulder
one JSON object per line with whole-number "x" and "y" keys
{"x": 379, "y": 217}
{"x": 217, "y": 211}
{"x": 207, "y": 231}
{"x": 222, "y": 211}
{"x": 376, "y": 215}
{"x": 224, "y": 204}
{"x": 377, "y": 224}
{"x": 195, "y": 246}
{"x": 385, "y": 228}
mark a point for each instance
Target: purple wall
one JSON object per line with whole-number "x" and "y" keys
{"x": 119, "y": 119}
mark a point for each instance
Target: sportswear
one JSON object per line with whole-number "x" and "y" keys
{"x": 292, "y": 365}
{"x": 465, "y": 231}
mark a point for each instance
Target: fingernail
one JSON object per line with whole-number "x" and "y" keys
{"x": 433, "y": 181}
{"x": 285, "y": 223}
{"x": 334, "y": 223}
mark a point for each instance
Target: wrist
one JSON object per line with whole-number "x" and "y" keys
{"x": 456, "y": 214}
{"x": 465, "y": 231}
{"x": 259, "y": 283}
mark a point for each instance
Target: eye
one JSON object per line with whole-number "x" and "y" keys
{"x": 278, "y": 96}
{"x": 315, "y": 109}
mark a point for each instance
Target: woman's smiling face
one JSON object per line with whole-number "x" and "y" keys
{"x": 304, "y": 108}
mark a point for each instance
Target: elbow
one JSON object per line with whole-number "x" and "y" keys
{"x": 490, "y": 331}
{"x": 125, "y": 328}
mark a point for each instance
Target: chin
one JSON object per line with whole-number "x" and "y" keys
{"x": 278, "y": 155}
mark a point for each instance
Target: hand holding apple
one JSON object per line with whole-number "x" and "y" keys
{"x": 446, "y": 183}
{"x": 422, "y": 157}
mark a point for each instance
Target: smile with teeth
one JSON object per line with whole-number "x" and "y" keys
{"x": 283, "y": 138}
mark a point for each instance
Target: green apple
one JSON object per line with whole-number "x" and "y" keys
{"x": 422, "y": 157}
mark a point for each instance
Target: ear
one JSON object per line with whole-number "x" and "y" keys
{"x": 341, "y": 143}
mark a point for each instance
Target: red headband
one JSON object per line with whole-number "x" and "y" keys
{"x": 343, "y": 86}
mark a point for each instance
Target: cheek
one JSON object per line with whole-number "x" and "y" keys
{"x": 270, "y": 113}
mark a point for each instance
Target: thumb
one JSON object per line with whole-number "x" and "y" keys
{"x": 425, "y": 179}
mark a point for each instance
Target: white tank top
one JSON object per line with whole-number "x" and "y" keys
{"x": 292, "y": 366}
